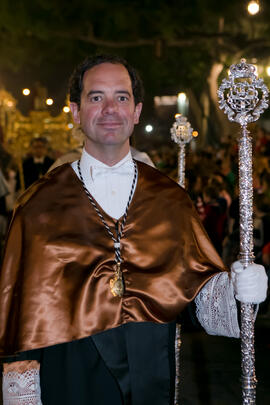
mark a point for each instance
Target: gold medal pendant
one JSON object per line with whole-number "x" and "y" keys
{"x": 117, "y": 287}
{"x": 116, "y": 283}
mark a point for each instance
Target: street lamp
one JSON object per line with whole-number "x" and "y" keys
{"x": 253, "y": 7}
{"x": 49, "y": 101}
{"x": 26, "y": 92}
{"x": 149, "y": 128}
{"x": 182, "y": 97}
{"x": 182, "y": 103}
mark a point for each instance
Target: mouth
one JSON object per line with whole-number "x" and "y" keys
{"x": 110, "y": 124}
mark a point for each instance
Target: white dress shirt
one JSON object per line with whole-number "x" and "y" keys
{"x": 109, "y": 185}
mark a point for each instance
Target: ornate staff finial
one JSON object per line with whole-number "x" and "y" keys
{"x": 182, "y": 133}
{"x": 244, "y": 97}
{"x": 239, "y": 94}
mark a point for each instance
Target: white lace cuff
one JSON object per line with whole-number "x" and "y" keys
{"x": 216, "y": 307}
{"x": 21, "y": 388}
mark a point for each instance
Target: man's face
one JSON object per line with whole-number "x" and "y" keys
{"x": 107, "y": 113}
{"x": 39, "y": 149}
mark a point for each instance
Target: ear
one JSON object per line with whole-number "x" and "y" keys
{"x": 137, "y": 113}
{"x": 75, "y": 112}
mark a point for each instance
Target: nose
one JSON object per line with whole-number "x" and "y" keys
{"x": 110, "y": 106}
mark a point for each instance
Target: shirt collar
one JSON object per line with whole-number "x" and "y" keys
{"x": 88, "y": 162}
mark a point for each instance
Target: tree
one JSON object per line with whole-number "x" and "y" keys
{"x": 186, "y": 44}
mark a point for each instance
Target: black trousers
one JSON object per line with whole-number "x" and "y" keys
{"x": 129, "y": 365}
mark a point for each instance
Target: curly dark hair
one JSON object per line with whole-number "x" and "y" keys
{"x": 76, "y": 79}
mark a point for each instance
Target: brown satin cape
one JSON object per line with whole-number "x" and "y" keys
{"x": 54, "y": 284}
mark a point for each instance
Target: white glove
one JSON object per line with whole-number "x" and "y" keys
{"x": 250, "y": 284}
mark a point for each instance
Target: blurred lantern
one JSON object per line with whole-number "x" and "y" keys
{"x": 182, "y": 103}
{"x": 253, "y": 7}
{"x": 149, "y": 128}
{"x": 49, "y": 101}
{"x": 26, "y": 92}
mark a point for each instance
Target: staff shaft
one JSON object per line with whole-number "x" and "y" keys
{"x": 246, "y": 257}
{"x": 181, "y": 182}
{"x": 181, "y": 164}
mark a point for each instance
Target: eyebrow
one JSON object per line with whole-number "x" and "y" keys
{"x": 91, "y": 92}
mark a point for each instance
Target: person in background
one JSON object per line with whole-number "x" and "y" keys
{"x": 37, "y": 164}
{"x": 215, "y": 216}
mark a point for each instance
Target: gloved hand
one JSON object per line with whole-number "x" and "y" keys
{"x": 250, "y": 284}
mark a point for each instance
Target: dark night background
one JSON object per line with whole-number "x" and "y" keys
{"x": 177, "y": 46}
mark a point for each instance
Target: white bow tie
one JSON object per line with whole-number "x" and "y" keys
{"x": 38, "y": 160}
{"x": 125, "y": 169}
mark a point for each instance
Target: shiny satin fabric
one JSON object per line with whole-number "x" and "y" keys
{"x": 54, "y": 284}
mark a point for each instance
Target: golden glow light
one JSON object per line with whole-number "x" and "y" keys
{"x": 253, "y": 7}
{"x": 182, "y": 97}
{"x": 268, "y": 70}
{"x": 66, "y": 109}
{"x": 49, "y": 101}
{"x": 26, "y": 92}
{"x": 195, "y": 134}
{"x": 177, "y": 115}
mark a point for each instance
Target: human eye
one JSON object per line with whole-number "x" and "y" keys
{"x": 123, "y": 98}
{"x": 95, "y": 98}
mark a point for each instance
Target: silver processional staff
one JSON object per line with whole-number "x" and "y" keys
{"x": 244, "y": 97}
{"x": 181, "y": 133}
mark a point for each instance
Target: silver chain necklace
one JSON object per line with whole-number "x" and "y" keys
{"x": 117, "y": 282}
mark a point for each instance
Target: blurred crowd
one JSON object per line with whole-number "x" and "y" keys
{"x": 212, "y": 183}
{"x": 211, "y": 180}
{"x": 16, "y": 175}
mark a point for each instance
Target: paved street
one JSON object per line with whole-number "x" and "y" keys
{"x": 211, "y": 368}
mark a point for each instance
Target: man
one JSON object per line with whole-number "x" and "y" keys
{"x": 38, "y": 163}
{"x": 109, "y": 253}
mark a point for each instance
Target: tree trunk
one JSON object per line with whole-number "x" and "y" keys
{"x": 195, "y": 110}
{"x": 222, "y": 124}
